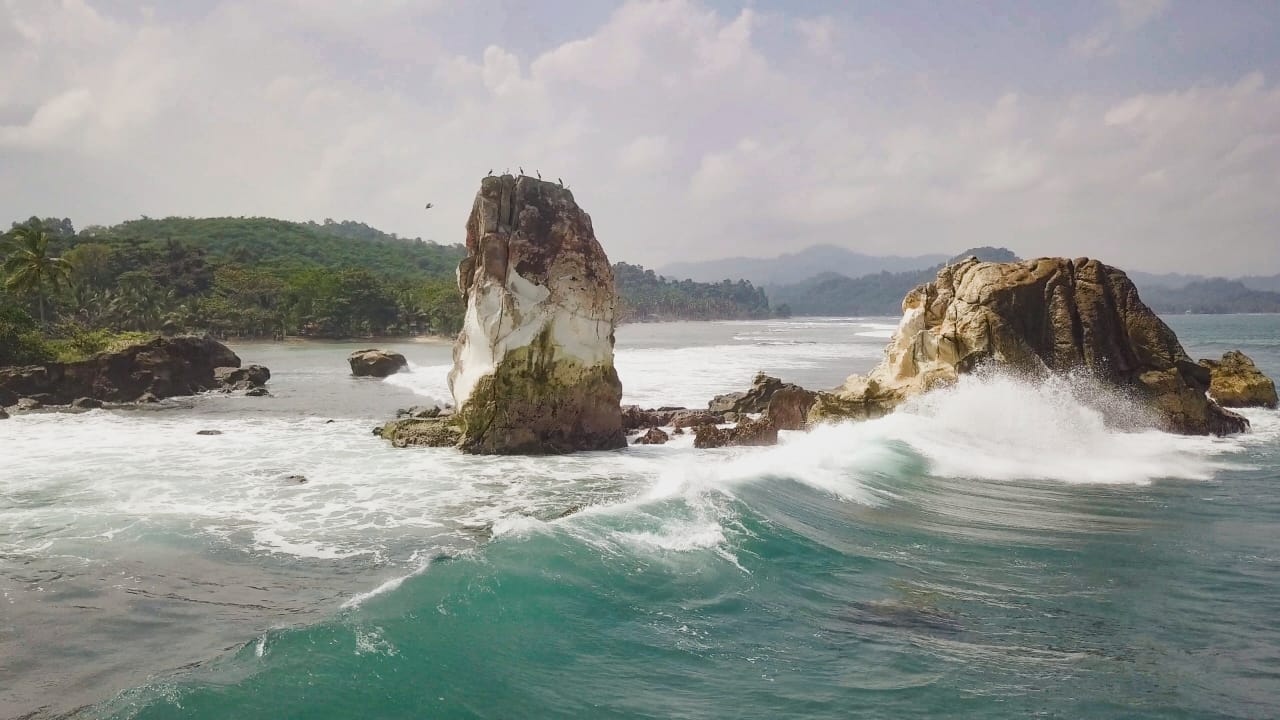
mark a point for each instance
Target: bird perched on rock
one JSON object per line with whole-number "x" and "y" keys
{"x": 560, "y": 181}
{"x": 520, "y": 169}
{"x": 490, "y": 173}
{"x": 539, "y": 174}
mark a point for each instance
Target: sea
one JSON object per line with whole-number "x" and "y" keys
{"x": 999, "y": 549}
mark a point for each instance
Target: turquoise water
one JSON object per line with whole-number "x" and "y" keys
{"x": 996, "y": 551}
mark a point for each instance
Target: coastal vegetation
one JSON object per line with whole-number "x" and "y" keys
{"x": 65, "y": 293}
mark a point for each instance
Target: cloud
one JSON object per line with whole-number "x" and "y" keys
{"x": 685, "y": 132}
{"x": 1124, "y": 17}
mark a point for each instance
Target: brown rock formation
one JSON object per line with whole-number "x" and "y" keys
{"x": 1234, "y": 381}
{"x": 163, "y": 367}
{"x": 786, "y": 404}
{"x": 376, "y": 363}
{"x": 747, "y": 432}
{"x": 533, "y": 366}
{"x": 653, "y": 437}
{"x": 1037, "y": 316}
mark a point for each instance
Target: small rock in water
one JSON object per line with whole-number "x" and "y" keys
{"x": 208, "y": 432}
{"x": 28, "y": 404}
{"x": 655, "y": 436}
{"x": 258, "y": 392}
{"x": 678, "y": 431}
{"x": 147, "y": 398}
{"x": 326, "y": 422}
{"x": 296, "y": 479}
{"x": 86, "y": 403}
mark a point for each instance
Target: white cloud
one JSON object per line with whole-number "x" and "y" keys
{"x": 684, "y": 132}
{"x": 1124, "y": 17}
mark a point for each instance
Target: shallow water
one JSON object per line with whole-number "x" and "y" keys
{"x": 997, "y": 550}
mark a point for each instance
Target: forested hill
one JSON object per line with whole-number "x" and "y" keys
{"x": 646, "y": 296}
{"x": 284, "y": 245}
{"x": 262, "y": 277}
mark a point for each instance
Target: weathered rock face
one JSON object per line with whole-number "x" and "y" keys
{"x": 1037, "y": 316}
{"x": 533, "y": 366}
{"x": 1236, "y": 382}
{"x": 376, "y": 363}
{"x": 163, "y": 367}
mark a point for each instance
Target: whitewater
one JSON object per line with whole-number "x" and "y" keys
{"x": 997, "y": 549}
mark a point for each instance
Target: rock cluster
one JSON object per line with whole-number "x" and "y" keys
{"x": 533, "y": 366}
{"x": 1035, "y": 317}
{"x": 376, "y": 363}
{"x": 146, "y": 372}
{"x": 786, "y": 404}
{"x": 1234, "y": 381}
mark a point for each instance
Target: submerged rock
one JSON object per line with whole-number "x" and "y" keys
{"x": 653, "y": 437}
{"x": 162, "y": 367}
{"x": 208, "y": 432}
{"x": 376, "y": 363}
{"x": 1234, "y": 381}
{"x": 747, "y": 432}
{"x": 1034, "y": 317}
{"x": 533, "y": 366}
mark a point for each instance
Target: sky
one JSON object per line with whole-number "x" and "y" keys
{"x": 1145, "y": 133}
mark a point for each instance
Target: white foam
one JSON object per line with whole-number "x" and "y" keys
{"x": 429, "y": 381}
{"x": 1003, "y": 428}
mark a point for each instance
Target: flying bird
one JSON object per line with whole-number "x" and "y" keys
{"x": 429, "y": 206}
{"x": 490, "y": 173}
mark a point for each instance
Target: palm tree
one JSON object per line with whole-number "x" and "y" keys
{"x": 29, "y": 266}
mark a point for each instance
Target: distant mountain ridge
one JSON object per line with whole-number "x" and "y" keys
{"x": 879, "y": 293}
{"x": 797, "y": 266}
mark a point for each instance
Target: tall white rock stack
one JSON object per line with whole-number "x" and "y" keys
{"x": 533, "y": 367}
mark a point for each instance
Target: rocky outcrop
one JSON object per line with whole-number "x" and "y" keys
{"x": 420, "y": 432}
{"x": 1234, "y": 381}
{"x": 786, "y": 404}
{"x": 1035, "y": 317}
{"x": 533, "y": 366}
{"x": 789, "y": 407}
{"x": 241, "y": 379}
{"x": 376, "y": 363}
{"x": 159, "y": 368}
{"x": 746, "y": 433}
{"x": 654, "y": 436}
